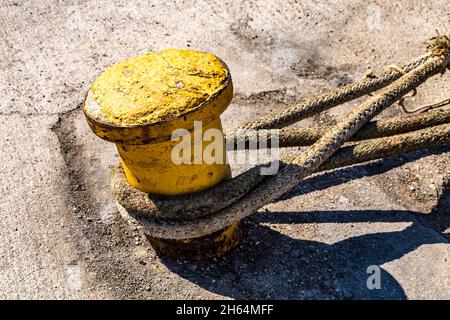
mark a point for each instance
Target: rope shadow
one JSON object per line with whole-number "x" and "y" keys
{"x": 439, "y": 218}
{"x": 328, "y": 179}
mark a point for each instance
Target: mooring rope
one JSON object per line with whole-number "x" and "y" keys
{"x": 188, "y": 207}
{"x": 202, "y": 203}
{"x": 332, "y": 98}
{"x": 205, "y": 212}
{"x": 376, "y": 129}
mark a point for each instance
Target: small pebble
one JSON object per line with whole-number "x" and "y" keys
{"x": 180, "y": 85}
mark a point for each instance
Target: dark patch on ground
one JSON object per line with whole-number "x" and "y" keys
{"x": 104, "y": 248}
{"x": 273, "y": 97}
{"x": 311, "y": 69}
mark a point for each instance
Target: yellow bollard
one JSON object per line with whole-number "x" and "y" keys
{"x": 138, "y": 104}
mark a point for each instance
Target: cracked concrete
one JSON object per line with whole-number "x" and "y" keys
{"x": 61, "y": 234}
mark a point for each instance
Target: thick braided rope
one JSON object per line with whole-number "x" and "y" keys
{"x": 390, "y": 146}
{"x": 300, "y": 166}
{"x": 200, "y": 204}
{"x": 331, "y": 99}
{"x": 375, "y": 129}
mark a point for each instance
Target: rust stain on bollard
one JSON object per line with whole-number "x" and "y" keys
{"x": 137, "y": 104}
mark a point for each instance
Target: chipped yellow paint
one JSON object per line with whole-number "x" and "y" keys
{"x": 227, "y": 239}
{"x": 138, "y": 103}
{"x": 158, "y": 86}
{"x": 228, "y": 233}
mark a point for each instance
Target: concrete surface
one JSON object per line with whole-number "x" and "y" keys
{"x": 61, "y": 235}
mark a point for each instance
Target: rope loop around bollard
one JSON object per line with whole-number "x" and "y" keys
{"x": 202, "y": 213}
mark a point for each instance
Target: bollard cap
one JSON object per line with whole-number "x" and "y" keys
{"x": 142, "y": 100}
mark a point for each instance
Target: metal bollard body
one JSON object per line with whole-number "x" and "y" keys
{"x": 138, "y": 104}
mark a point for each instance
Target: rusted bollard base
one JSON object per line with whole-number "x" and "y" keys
{"x": 212, "y": 245}
{"x": 216, "y": 244}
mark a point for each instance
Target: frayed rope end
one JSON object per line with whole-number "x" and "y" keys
{"x": 439, "y": 45}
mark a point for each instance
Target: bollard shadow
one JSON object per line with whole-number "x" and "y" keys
{"x": 281, "y": 267}
{"x": 272, "y": 265}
